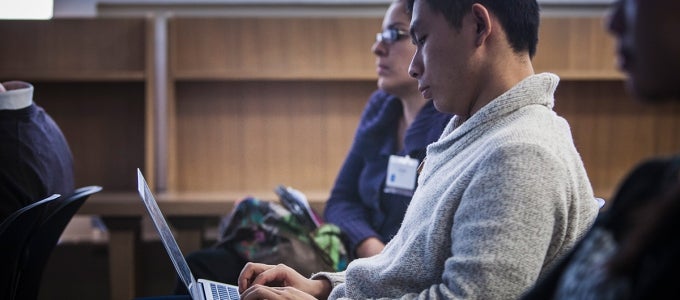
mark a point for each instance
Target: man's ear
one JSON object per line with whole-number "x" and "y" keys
{"x": 482, "y": 20}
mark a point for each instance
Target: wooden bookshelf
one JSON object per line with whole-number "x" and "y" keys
{"x": 270, "y": 85}
{"x": 92, "y": 77}
{"x": 284, "y": 96}
{"x": 254, "y": 102}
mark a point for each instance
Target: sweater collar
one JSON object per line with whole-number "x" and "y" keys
{"x": 534, "y": 90}
{"x": 19, "y": 95}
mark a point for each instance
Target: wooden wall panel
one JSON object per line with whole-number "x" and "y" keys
{"x": 576, "y": 48}
{"x": 299, "y": 48}
{"x": 104, "y": 126}
{"x": 251, "y": 136}
{"x": 614, "y": 133}
{"x": 273, "y": 48}
{"x": 83, "y": 49}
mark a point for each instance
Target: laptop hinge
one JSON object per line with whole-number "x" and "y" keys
{"x": 196, "y": 291}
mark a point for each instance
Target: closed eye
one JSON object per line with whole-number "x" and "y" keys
{"x": 419, "y": 41}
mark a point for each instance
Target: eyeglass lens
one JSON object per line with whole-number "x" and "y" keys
{"x": 389, "y": 36}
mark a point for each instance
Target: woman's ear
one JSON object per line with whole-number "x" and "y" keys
{"x": 482, "y": 19}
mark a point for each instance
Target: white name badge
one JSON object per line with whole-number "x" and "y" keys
{"x": 401, "y": 175}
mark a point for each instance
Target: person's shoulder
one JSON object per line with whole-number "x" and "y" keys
{"x": 647, "y": 181}
{"x": 647, "y": 176}
{"x": 380, "y": 111}
{"x": 379, "y": 101}
{"x": 537, "y": 126}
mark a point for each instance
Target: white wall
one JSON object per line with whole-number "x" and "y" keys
{"x": 90, "y": 8}
{"x": 74, "y": 8}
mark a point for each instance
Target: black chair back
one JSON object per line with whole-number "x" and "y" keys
{"x": 15, "y": 233}
{"x": 45, "y": 238}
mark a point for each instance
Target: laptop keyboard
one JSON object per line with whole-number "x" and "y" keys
{"x": 222, "y": 292}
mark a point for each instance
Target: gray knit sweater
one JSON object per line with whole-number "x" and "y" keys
{"x": 499, "y": 199}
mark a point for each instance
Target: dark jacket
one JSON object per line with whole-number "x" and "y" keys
{"x": 35, "y": 160}
{"x": 642, "y": 221}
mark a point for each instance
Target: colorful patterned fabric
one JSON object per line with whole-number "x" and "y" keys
{"x": 267, "y": 232}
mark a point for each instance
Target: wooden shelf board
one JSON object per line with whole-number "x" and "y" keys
{"x": 73, "y": 75}
{"x": 271, "y": 76}
{"x": 585, "y": 75}
{"x": 129, "y": 204}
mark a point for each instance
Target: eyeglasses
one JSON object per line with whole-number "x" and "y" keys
{"x": 391, "y": 35}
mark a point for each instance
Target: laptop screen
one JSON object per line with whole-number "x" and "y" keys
{"x": 164, "y": 230}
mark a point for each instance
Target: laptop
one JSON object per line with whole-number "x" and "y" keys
{"x": 200, "y": 289}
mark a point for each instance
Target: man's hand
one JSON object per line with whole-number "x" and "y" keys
{"x": 257, "y": 292}
{"x": 254, "y": 274}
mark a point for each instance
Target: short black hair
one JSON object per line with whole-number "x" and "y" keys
{"x": 519, "y": 18}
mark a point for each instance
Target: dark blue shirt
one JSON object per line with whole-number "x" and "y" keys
{"x": 357, "y": 203}
{"x": 35, "y": 160}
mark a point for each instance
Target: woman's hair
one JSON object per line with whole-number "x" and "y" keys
{"x": 407, "y": 11}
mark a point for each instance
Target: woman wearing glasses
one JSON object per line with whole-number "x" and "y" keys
{"x": 366, "y": 204}
{"x": 397, "y": 121}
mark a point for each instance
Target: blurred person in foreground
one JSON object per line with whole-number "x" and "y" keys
{"x": 633, "y": 251}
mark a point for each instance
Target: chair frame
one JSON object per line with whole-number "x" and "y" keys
{"x": 44, "y": 239}
{"x": 15, "y": 235}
